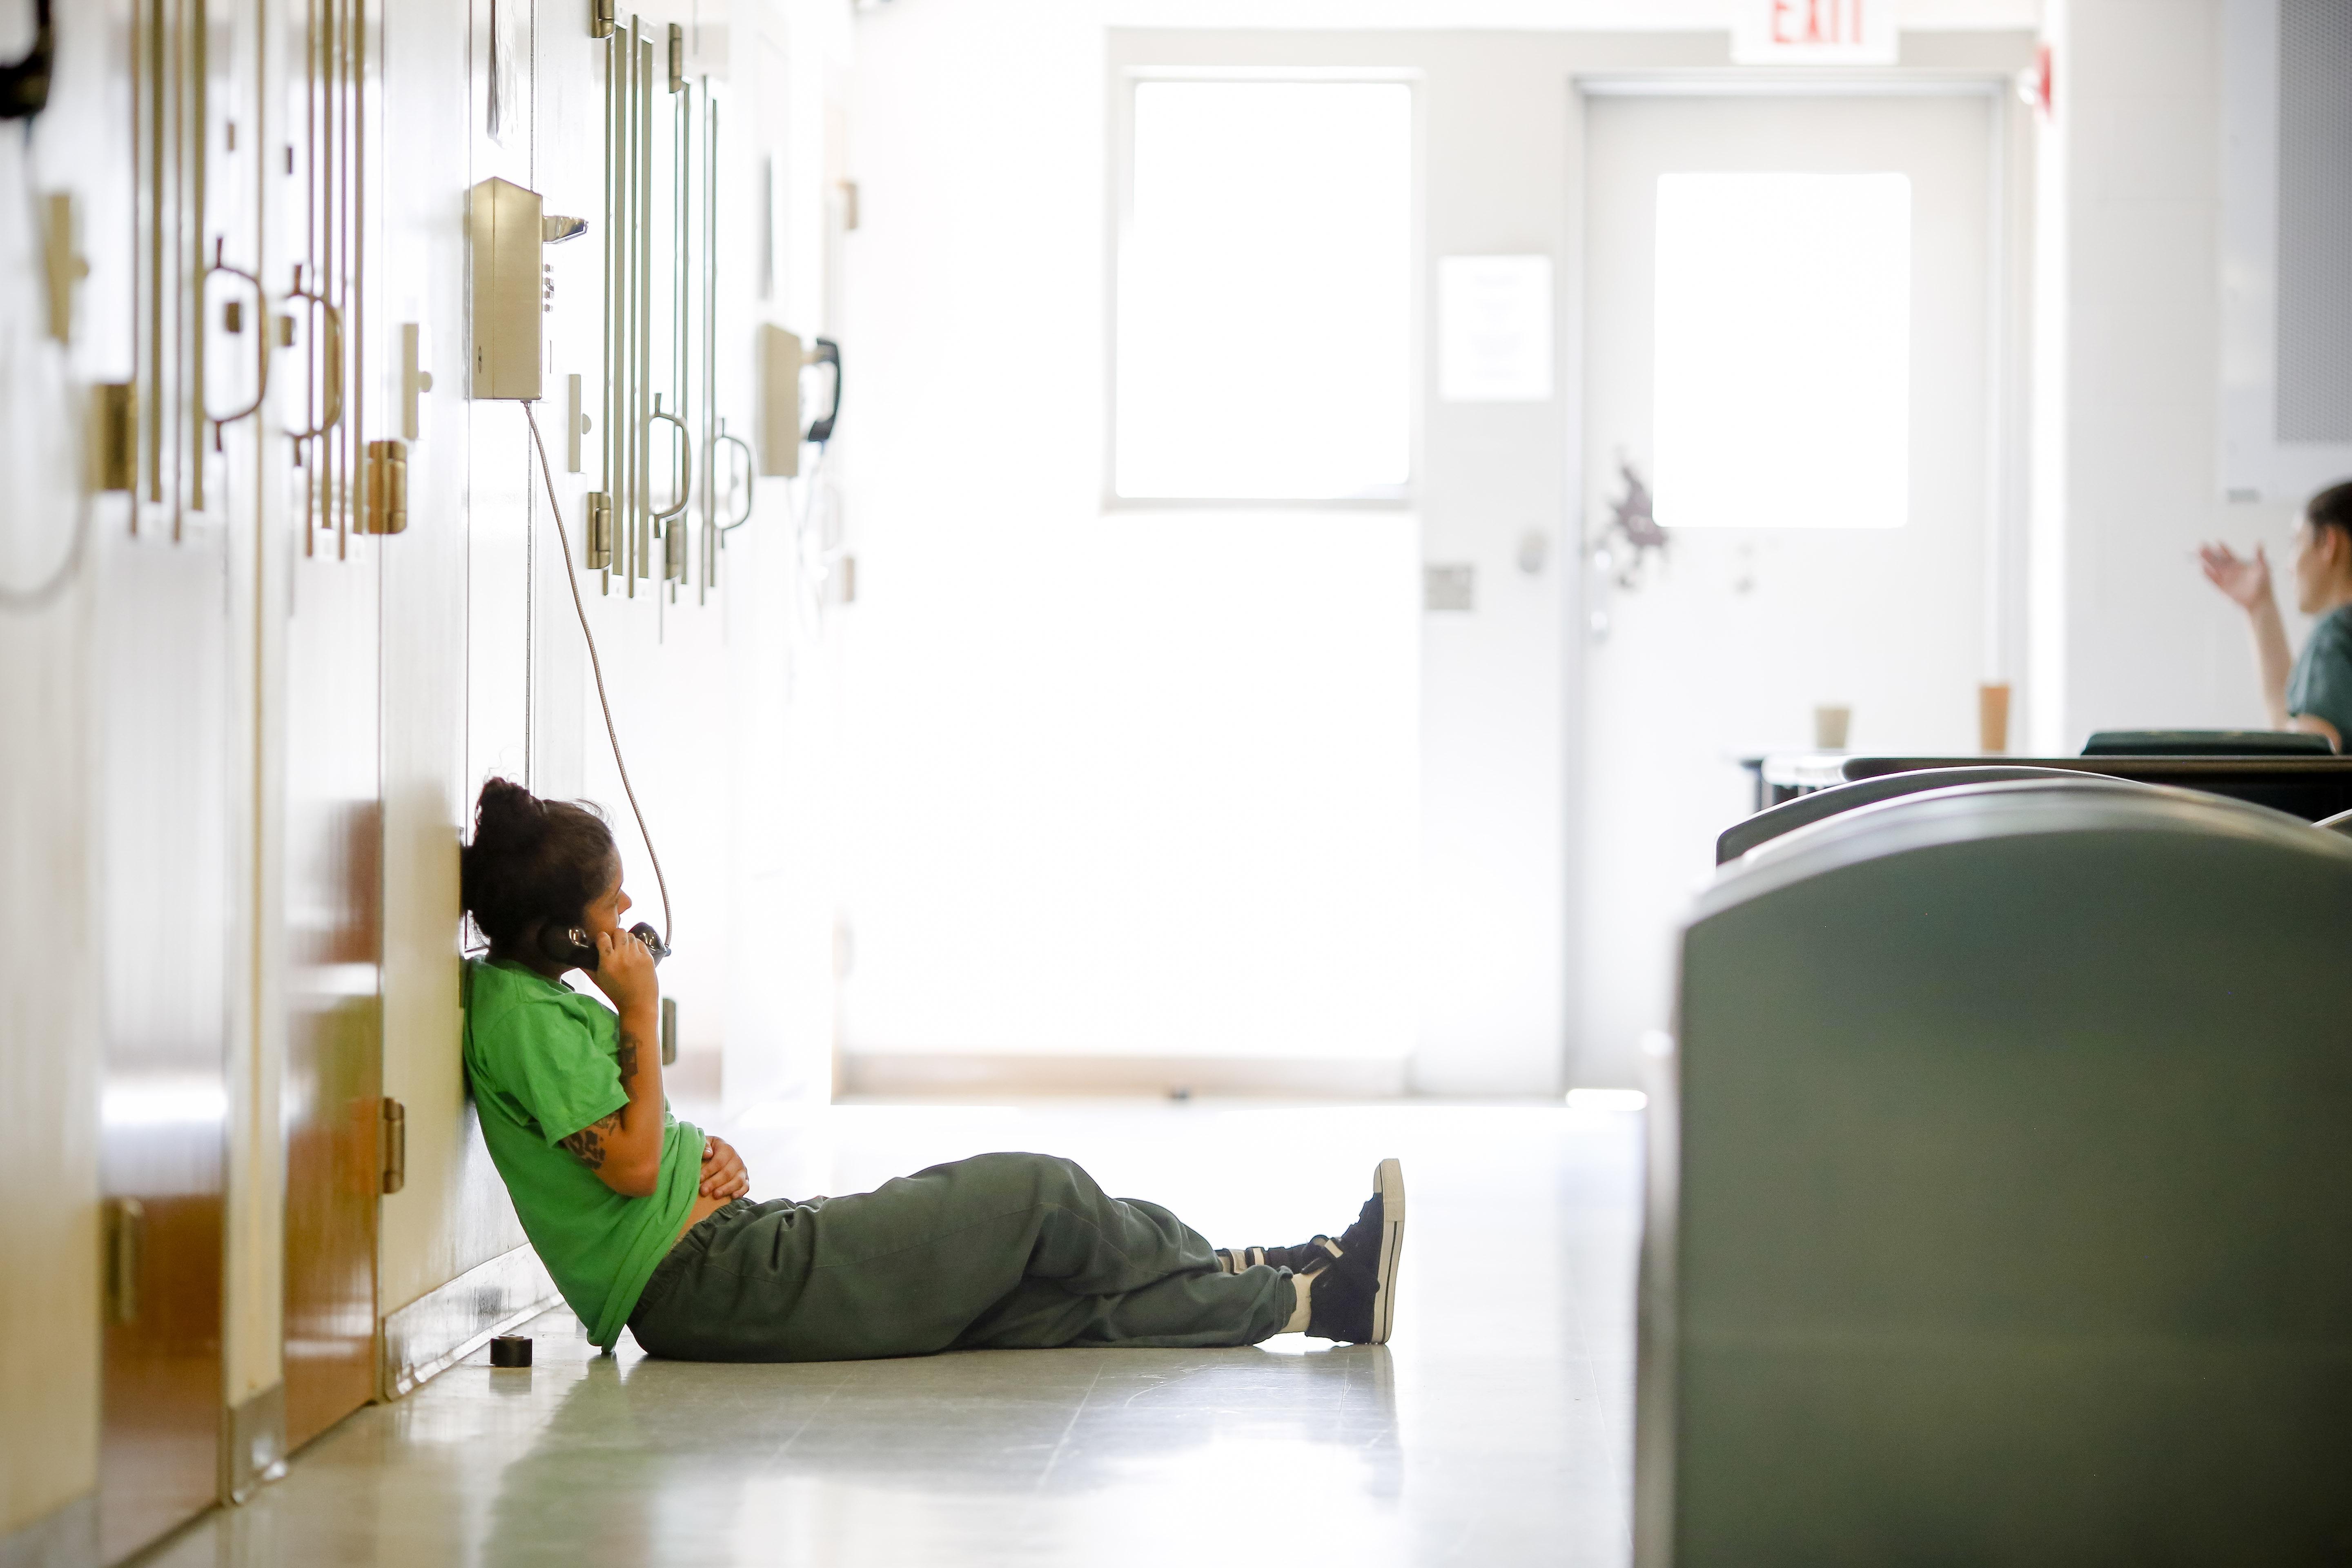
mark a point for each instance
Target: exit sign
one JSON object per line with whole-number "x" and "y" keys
{"x": 1813, "y": 32}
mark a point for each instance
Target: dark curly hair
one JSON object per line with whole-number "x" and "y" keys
{"x": 532, "y": 863}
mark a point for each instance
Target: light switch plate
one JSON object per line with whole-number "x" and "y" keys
{"x": 1453, "y": 588}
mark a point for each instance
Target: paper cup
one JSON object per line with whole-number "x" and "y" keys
{"x": 1992, "y": 717}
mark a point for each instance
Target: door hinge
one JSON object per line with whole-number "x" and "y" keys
{"x": 126, "y": 1234}
{"x": 396, "y": 1146}
{"x": 115, "y": 419}
{"x": 387, "y": 488}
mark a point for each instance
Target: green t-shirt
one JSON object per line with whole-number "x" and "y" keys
{"x": 543, "y": 1062}
{"x": 2321, "y": 685}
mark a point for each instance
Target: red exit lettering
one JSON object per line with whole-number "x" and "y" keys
{"x": 1824, "y": 21}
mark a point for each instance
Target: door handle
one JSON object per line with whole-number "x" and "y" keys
{"x": 685, "y": 459}
{"x": 331, "y": 358}
{"x": 126, "y": 1244}
{"x": 393, "y": 1145}
{"x": 750, "y": 463}
{"x": 232, "y": 319}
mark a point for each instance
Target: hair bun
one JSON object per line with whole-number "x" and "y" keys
{"x": 531, "y": 862}
{"x": 509, "y": 812}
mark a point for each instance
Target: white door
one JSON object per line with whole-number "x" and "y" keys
{"x": 1789, "y": 330}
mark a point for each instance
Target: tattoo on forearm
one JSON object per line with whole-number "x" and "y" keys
{"x": 588, "y": 1143}
{"x": 625, "y": 1056}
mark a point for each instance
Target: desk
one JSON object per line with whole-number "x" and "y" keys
{"x": 1785, "y": 776}
{"x": 2308, "y": 787}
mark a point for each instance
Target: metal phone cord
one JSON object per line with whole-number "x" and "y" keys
{"x": 612, "y": 733}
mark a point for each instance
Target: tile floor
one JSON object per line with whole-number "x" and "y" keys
{"x": 1495, "y": 1428}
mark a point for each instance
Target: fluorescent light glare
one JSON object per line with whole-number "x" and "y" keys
{"x": 1607, "y": 1100}
{"x": 163, "y": 1100}
{"x": 1264, "y": 292}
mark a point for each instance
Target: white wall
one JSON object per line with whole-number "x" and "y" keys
{"x": 2135, "y": 482}
{"x": 1012, "y": 647}
{"x": 1183, "y": 784}
{"x": 1140, "y": 783}
{"x": 1530, "y": 16}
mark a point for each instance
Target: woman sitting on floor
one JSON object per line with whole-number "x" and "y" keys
{"x": 646, "y": 1224}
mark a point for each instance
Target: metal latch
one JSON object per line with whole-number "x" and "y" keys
{"x": 396, "y": 1146}
{"x": 387, "y": 488}
{"x": 414, "y": 379}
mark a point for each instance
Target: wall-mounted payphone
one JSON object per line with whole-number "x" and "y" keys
{"x": 512, "y": 285}
{"x": 782, "y": 357}
{"x": 509, "y": 291}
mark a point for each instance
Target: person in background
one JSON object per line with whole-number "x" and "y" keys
{"x": 2314, "y": 693}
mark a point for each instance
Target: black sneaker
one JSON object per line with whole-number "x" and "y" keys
{"x": 1353, "y": 1298}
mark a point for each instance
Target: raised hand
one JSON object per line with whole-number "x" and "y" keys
{"x": 2246, "y": 581}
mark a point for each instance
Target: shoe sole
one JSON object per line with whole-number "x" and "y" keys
{"x": 1388, "y": 1180}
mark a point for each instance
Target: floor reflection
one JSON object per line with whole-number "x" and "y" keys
{"x": 644, "y": 1461}
{"x": 1495, "y": 1428}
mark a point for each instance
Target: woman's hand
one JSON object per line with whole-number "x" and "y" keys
{"x": 723, "y": 1176}
{"x": 2246, "y": 582}
{"x": 625, "y": 971}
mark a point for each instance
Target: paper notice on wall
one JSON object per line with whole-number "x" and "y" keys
{"x": 1493, "y": 329}
{"x": 1813, "y": 33}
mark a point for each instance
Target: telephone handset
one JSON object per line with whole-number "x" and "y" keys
{"x": 826, "y": 352}
{"x": 570, "y": 945}
{"x": 781, "y": 435}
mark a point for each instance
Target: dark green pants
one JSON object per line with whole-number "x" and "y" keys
{"x": 1006, "y": 1251}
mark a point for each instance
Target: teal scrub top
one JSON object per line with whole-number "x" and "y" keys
{"x": 2321, "y": 684}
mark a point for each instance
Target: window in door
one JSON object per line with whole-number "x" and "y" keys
{"x": 1783, "y": 350}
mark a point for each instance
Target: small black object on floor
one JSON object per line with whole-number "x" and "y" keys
{"x": 510, "y": 1350}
